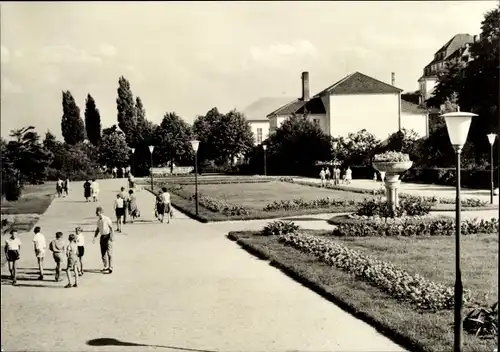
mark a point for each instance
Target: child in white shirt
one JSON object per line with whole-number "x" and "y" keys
{"x": 39, "y": 245}
{"x": 12, "y": 253}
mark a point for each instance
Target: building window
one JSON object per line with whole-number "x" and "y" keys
{"x": 259, "y": 135}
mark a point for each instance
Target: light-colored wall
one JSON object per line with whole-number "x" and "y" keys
{"x": 416, "y": 122}
{"x": 427, "y": 86}
{"x": 265, "y": 125}
{"x": 377, "y": 113}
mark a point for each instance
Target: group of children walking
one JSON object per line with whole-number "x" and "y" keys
{"x": 73, "y": 251}
{"x": 335, "y": 176}
{"x": 91, "y": 190}
{"x": 62, "y": 187}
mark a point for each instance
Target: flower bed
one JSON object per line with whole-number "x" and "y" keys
{"x": 391, "y": 157}
{"x": 389, "y": 278}
{"x": 296, "y": 204}
{"x": 359, "y": 226}
{"x": 408, "y": 206}
{"x": 220, "y": 206}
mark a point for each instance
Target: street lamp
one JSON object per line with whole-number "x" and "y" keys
{"x": 265, "y": 159}
{"x": 151, "y": 148}
{"x": 195, "y": 144}
{"x": 458, "y": 124}
{"x": 133, "y": 154}
{"x": 491, "y": 139}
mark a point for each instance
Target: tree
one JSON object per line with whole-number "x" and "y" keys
{"x": 27, "y": 156}
{"x": 126, "y": 110}
{"x": 92, "y": 121}
{"x": 223, "y": 137}
{"x": 357, "y": 148}
{"x": 172, "y": 140}
{"x": 412, "y": 97}
{"x": 405, "y": 141}
{"x": 114, "y": 150}
{"x": 73, "y": 129}
{"x": 296, "y": 145}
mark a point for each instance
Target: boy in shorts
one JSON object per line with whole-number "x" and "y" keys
{"x": 80, "y": 243}
{"x": 12, "y": 252}
{"x": 57, "y": 248}
{"x": 39, "y": 245}
{"x": 72, "y": 255}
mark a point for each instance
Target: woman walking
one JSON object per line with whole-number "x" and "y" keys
{"x": 87, "y": 190}
{"x": 133, "y": 209}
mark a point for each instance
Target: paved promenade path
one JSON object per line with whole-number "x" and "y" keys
{"x": 177, "y": 287}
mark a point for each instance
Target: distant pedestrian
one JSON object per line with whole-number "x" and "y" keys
{"x": 105, "y": 229}
{"x": 66, "y": 186}
{"x": 382, "y": 176}
{"x": 114, "y": 171}
{"x": 131, "y": 181}
{"x": 13, "y": 253}
{"x": 123, "y": 172}
{"x": 95, "y": 190}
{"x": 72, "y": 257}
{"x": 168, "y": 206}
{"x": 375, "y": 176}
{"x": 132, "y": 206}
{"x": 119, "y": 211}
{"x": 87, "y": 190}
{"x": 39, "y": 245}
{"x": 327, "y": 175}
{"x": 80, "y": 242}
{"x": 348, "y": 175}
{"x": 163, "y": 205}
{"x": 336, "y": 172}
{"x": 322, "y": 175}
{"x": 59, "y": 187}
{"x": 57, "y": 247}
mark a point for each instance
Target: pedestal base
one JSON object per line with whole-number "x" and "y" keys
{"x": 392, "y": 183}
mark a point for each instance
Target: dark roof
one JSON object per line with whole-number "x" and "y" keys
{"x": 288, "y": 109}
{"x": 313, "y": 106}
{"x": 411, "y": 108}
{"x": 456, "y": 43}
{"x": 358, "y": 83}
{"x": 258, "y": 110}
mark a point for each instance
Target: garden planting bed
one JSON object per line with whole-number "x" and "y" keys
{"x": 402, "y": 286}
{"x": 244, "y": 201}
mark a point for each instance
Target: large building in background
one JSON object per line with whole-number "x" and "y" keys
{"x": 354, "y": 103}
{"x": 457, "y": 48}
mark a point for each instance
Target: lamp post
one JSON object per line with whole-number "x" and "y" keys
{"x": 151, "y": 148}
{"x": 133, "y": 154}
{"x": 265, "y": 159}
{"x": 458, "y": 124}
{"x": 491, "y": 139}
{"x": 195, "y": 144}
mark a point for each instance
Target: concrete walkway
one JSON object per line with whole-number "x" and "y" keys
{"x": 177, "y": 287}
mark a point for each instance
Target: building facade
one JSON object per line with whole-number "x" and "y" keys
{"x": 456, "y": 49}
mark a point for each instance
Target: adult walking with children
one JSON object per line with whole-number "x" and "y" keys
{"x": 105, "y": 229}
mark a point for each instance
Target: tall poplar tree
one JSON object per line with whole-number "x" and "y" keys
{"x": 125, "y": 105}
{"x": 92, "y": 121}
{"x": 72, "y": 126}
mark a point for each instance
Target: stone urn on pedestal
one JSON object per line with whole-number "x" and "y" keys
{"x": 393, "y": 164}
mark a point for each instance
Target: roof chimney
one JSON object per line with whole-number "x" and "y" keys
{"x": 305, "y": 86}
{"x": 393, "y": 78}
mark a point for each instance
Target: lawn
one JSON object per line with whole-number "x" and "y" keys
{"x": 257, "y": 195}
{"x": 430, "y": 257}
{"x": 35, "y": 199}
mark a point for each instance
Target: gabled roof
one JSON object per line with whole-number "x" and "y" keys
{"x": 411, "y": 108}
{"x": 258, "y": 110}
{"x": 358, "y": 83}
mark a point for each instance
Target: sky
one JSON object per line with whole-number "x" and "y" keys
{"x": 187, "y": 57}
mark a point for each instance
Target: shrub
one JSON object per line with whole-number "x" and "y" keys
{"x": 391, "y": 156}
{"x": 408, "y": 206}
{"x": 280, "y": 227}
{"x": 482, "y": 321}
{"x": 76, "y": 175}
{"x": 11, "y": 190}
{"x": 413, "y": 227}
{"x": 398, "y": 283}
{"x": 300, "y": 203}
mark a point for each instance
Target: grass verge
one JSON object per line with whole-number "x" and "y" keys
{"x": 414, "y": 330}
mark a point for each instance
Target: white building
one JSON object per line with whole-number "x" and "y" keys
{"x": 354, "y": 103}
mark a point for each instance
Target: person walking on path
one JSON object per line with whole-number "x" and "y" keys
{"x": 114, "y": 171}
{"x": 80, "y": 242}
{"x": 105, "y": 229}
{"x": 39, "y": 245}
{"x": 322, "y": 175}
{"x": 59, "y": 187}
{"x": 119, "y": 211}
{"x": 57, "y": 248}
{"x": 125, "y": 198}
{"x": 327, "y": 175}
{"x": 66, "y": 186}
{"x": 132, "y": 206}
{"x": 95, "y": 190}
{"x": 131, "y": 181}
{"x": 348, "y": 175}
{"x": 72, "y": 255}
{"x": 12, "y": 254}
{"x": 87, "y": 190}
